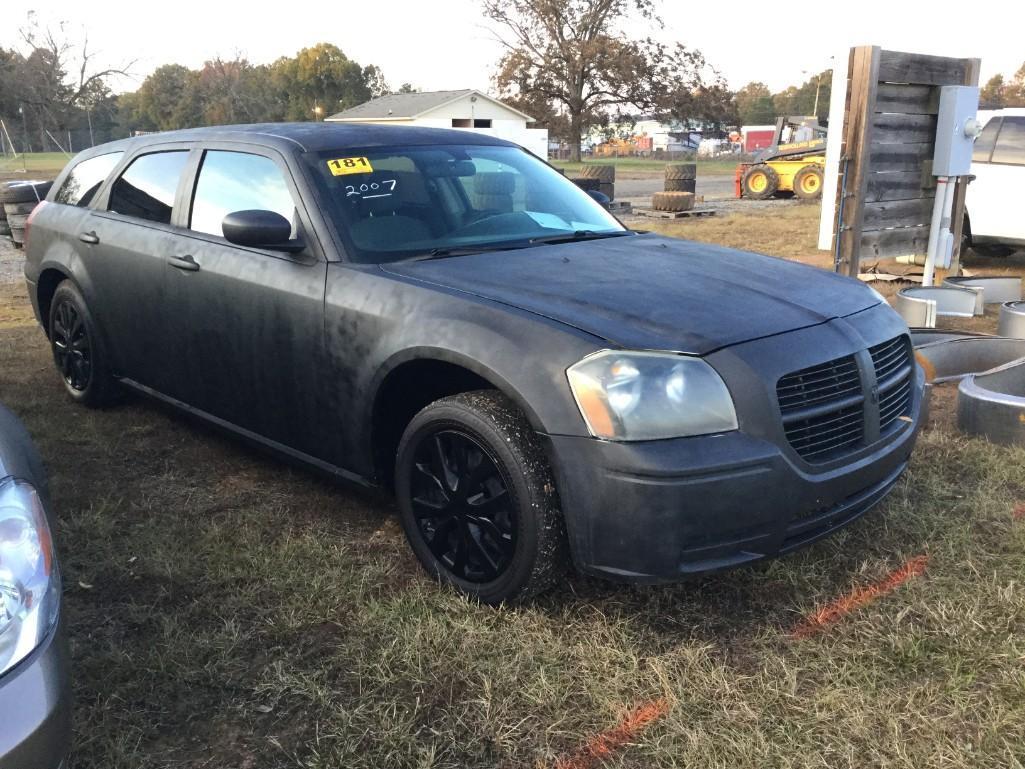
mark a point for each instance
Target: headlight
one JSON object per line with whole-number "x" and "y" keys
{"x": 29, "y": 581}
{"x": 640, "y": 396}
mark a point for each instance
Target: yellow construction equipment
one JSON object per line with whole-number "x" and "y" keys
{"x": 794, "y": 162}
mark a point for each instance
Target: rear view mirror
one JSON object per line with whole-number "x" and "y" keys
{"x": 260, "y": 229}
{"x": 451, "y": 168}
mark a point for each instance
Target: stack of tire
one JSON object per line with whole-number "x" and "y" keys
{"x": 681, "y": 177}
{"x": 606, "y": 176}
{"x": 679, "y": 187}
{"x": 18, "y": 199}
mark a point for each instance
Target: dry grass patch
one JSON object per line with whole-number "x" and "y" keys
{"x": 242, "y": 613}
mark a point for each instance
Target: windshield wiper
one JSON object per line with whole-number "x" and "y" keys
{"x": 441, "y": 253}
{"x": 580, "y": 235}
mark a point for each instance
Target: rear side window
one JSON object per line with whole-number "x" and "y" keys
{"x": 146, "y": 189}
{"x": 85, "y": 178}
{"x": 1010, "y": 147}
{"x": 984, "y": 144}
{"x": 238, "y": 181}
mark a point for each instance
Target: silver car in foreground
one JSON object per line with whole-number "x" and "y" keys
{"x": 35, "y": 712}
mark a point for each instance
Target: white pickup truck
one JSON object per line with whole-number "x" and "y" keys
{"x": 995, "y": 225}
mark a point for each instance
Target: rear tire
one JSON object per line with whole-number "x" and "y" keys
{"x": 78, "y": 351}
{"x": 808, "y": 183}
{"x": 992, "y": 250}
{"x": 477, "y": 498}
{"x": 760, "y": 182}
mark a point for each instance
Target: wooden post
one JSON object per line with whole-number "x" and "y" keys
{"x": 857, "y": 144}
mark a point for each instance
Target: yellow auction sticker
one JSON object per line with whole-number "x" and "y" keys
{"x": 343, "y": 166}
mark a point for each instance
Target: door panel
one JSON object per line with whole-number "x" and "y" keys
{"x": 127, "y": 271}
{"x": 245, "y": 335}
{"x": 124, "y": 242}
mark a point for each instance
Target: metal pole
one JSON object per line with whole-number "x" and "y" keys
{"x": 942, "y": 203}
{"x": 89, "y": 118}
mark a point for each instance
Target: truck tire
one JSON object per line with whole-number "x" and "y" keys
{"x": 672, "y": 201}
{"x": 24, "y": 192}
{"x": 992, "y": 249}
{"x": 681, "y": 185}
{"x": 677, "y": 171}
{"x": 808, "y": 183}
{"x": 603, "y": 173}
{"x": 760, "y": 182}
{"x": 477, "y": 498}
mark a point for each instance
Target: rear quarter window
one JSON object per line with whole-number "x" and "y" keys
{"x": 85, "y": 179}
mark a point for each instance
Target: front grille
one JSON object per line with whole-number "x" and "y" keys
{"x": 823, "y": 408}
{"x": 894, "y": 375}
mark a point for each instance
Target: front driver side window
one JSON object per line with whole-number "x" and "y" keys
{"x": 238, "y": 181}
{"x": 147, "y": 187}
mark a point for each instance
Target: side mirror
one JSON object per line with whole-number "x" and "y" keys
{"x": 600, "y": 198}
{"x": 260, "y": 229}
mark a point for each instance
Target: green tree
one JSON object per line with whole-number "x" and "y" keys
{"x": 161, "y": 103}
{"x": 992, "y": 94}
{"x": 322, "y": 77}
{"x": 754, "y": 105}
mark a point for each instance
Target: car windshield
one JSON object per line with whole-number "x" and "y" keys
{"x": 399, "y": 203}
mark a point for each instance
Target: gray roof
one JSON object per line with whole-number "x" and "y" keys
{"x": 410, "y": 105}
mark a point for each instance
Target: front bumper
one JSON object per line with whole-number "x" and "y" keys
{"x": 35, "y": 708}
{"x": 655, "y": 511}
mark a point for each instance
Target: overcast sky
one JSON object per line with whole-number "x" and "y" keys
{"x": 445, "y": 44}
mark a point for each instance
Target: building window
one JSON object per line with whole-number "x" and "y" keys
{"x": 483, "y": 123}
{"x": 461, "y": 122}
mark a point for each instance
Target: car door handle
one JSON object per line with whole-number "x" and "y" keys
{"x": 89, "y": 237}
{"x": 186, "y": 262}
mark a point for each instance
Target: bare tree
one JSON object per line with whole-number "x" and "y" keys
{"x": 59, "y": 75}
{"x": 573, "y": 55}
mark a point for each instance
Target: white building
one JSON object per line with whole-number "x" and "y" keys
{"x": 468, "y": 110}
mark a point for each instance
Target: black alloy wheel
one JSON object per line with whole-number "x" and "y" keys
{"x": 78, "y": 350}
{"x": 72, "y": 349}
{"x": 477, "y": 498}
{"x": 462, "y": 506}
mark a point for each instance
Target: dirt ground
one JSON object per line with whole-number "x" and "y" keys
{"x": 228, "y": 610}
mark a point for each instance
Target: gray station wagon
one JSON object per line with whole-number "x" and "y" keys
{"x": 444, "y": 314}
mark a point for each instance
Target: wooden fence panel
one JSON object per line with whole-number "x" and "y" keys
{"x": 888, "y": 140}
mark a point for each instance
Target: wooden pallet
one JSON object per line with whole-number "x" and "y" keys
{"x": 651, "y": 213}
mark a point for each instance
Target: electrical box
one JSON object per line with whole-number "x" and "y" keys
{"x": 956, "y": 129}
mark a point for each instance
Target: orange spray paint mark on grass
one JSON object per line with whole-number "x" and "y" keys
{"x": 601, "y": 746}
{"x": 844, "y": 605}
{"x": 1019, "y": 512}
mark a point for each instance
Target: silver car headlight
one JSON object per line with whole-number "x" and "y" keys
{"x": 29, "y": 579}
{"x": 641, "y": 396}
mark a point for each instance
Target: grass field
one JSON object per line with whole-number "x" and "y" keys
{"x": 46, "y": 164}
{"x": 229, "y": 611}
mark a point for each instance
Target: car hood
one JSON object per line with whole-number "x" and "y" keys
{"x": 651, "y": 292}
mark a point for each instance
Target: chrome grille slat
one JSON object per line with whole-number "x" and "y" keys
{"x": 823, "y": 406}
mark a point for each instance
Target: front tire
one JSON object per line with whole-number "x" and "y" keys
{"x": 78, "y": 351}
{"x": 477, "y": 499}
{"x": 760, "y": 182}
